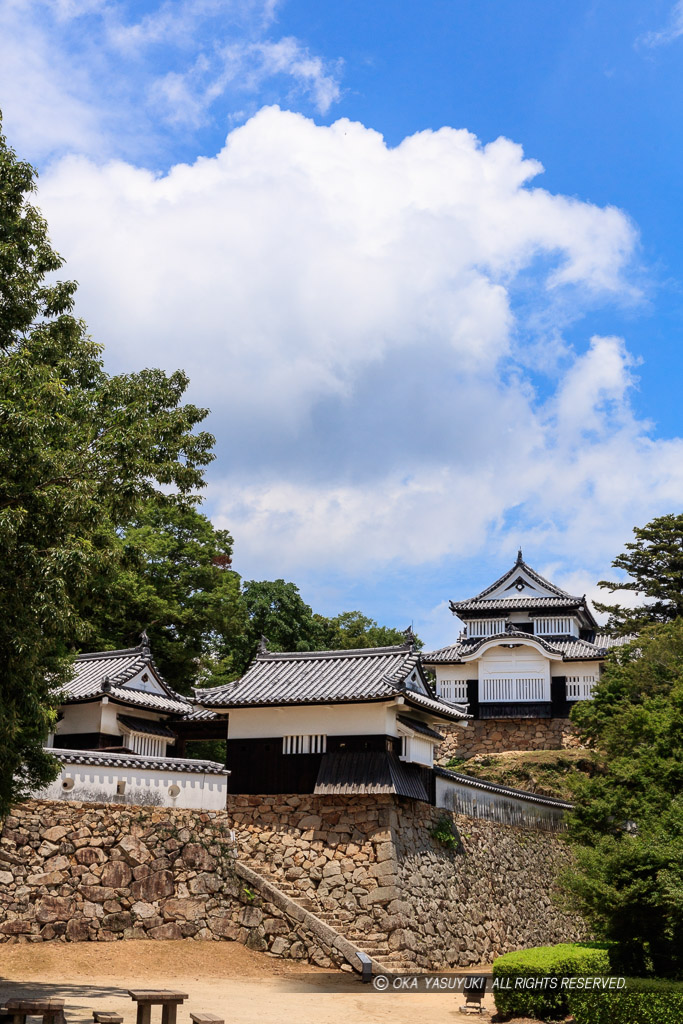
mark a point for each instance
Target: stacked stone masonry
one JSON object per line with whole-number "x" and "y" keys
{"x": 78, "y": 872}
{"x": 495, "y": 736}
{"x": 106, "y": 872}
{"x": 375, "y": 861}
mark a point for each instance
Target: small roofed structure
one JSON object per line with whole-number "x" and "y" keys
{"x": 121, "y": 734}
{"x": 528, "y": 649}
{"x": 345, "y": 721}
{"x": 119, "y": 699}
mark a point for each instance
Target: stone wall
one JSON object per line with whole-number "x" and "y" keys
{"x": 370, "y": 865}
{"x": 77, "y": 872}
{"x": 493, "y": 736}
{"x": 374, "y": 862}
{"x": 493, "y": 893}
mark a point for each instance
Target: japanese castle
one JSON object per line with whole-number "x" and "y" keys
{"x": 527, "y": 649}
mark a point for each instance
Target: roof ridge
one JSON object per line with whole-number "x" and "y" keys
{"x": 339, "y": 652}
{"x": 521, "y": 564}
{"x": 141, "y": 649}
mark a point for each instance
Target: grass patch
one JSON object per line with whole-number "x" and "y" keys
{"x": 546, "y": 772}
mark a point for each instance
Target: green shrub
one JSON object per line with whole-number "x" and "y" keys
{"x": 569, "y": 959}
{"x": 445, "y": 833}
{"x": 643, "y": 1001}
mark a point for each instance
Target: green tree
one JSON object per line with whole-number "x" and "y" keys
{"x": 354, "y": 630}
{"x": 654, "y": 565}
{"x": 174, "y": 579}
{"x": 628, "y": 819}
{"x": 80, "y": 451}
{"x": 276, "y": 610}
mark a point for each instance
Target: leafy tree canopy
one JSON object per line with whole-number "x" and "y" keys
{"x": 628, "y": 819}
{"x": 81, "y": 451}
{"x": 174, "y": 580}
{"x": 276, "y": 610}
{"x": 654, "y": 564}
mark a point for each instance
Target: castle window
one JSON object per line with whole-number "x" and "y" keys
{"x": 485, "y": 627}
{"x": 581, "y": 687}
{"x": 561, "y": 626}
{"x": 306, "y": 744}
{"x": 452, "y": 689}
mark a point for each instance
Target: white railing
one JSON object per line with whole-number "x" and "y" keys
{"x": 580, "y": 687}
{"x": 452, "y": 689}
{"x": 307, "y": 744}
{"x": 554, "y": 627}
{"x": 150, "y": 746}
{"x": 514, "y": 689}
{"x": 485, "y": 627}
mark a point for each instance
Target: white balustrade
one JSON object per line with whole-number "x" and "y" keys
{"x": 514, "y": 689}
{"x": 485, "y": 627}
{"x": 454, "y": 690}
{"x": 580, "y": 687}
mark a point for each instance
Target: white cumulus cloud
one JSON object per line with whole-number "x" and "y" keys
{"x": 349, "y": 312}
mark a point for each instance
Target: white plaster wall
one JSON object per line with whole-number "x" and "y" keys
{"x": 110, "y": 710}
{"x": 92, "y": 784}
{"x": 82, "y": 718}
{"x": 459, "y": 672}
{"x": 576, "y": 668}
{"x": 521, "y": 660}
{"x": 330, "y": 720}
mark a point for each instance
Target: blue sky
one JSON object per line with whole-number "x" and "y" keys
{"x": 422, "y": 261}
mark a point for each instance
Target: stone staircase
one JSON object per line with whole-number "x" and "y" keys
{"x": 374, "y": 944}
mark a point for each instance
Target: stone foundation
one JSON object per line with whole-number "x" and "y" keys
{"x": 494, "y": 736}
{"x": 74, "y": 872}
{"x": 374, "y": 860}
{"x": 77, "y": 872}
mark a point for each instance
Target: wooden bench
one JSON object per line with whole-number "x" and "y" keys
{"x": 147, "y": 998}
{"x": 473, "y": 1001}
{"x": 51, "y": 1010}
{"x": 106, "y": 1017}
{"x": 206, "y": 1018}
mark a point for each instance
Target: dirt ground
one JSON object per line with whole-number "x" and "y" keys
{"x": 219, "y": 977}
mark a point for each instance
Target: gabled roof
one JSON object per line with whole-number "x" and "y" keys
{"x": 570, "y": 649}
{"x": 511, "y": 593}
{"x": 521, "y": 565}
{"x": 146, "y": 726}
{"x": 107, "y": 673}
{"x": 330, "y": 677}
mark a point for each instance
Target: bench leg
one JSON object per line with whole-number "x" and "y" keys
{"x": 144, "y": 1013}
{"x": 168, "y": 1013}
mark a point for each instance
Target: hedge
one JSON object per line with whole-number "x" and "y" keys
{"x": 568, "y": 959}
{"x": 643, "y": 1001}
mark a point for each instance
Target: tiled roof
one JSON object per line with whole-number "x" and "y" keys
{"x": 554, "y": 599}
{"x": 202, "y": 715}
{"x": 571, "y": 649}
{"x": 607, "y": 641}
{"x": 508, "y": 604}
{"x": 365, "y": 771}
{"x": 146, "y": 726}
{"x": 493, "y": 787}
{"x": 327, "y": 677}
{"x": 417, "y": 726}
{"x": 106, "y": 672}
{"x": 577, "y": 650}
{"x": 437, "y": 706}
{"x": 141, "y": 761}
{"x": 520, "y": 564}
